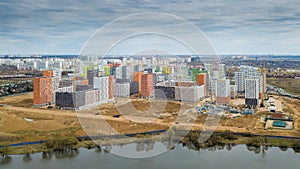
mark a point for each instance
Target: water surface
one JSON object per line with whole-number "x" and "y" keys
{"x": 238, "y": 157}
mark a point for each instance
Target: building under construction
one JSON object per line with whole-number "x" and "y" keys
{"x": 70, "y": 100}
{"x": 134, "y": 88}
{"x": 164, "y": 92}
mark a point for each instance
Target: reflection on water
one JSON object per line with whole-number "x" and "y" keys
{"x": 190, "y": 154}
{"x": 183, "y": 155}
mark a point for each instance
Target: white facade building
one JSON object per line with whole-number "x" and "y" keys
{"x": 124, "y": 72}
{"x": 189, "y": 94}
{"x": 252, "y": 88}
{"x": 233, "y": 91}
{"x": 252, "y": 92}
{"x": 101, "y": 83}
{"x": 222, "y": 88}
{"x": 239, "y": 79}
{"x": 122, "y": 89}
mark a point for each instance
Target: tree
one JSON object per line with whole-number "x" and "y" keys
{"x": 170, "y": 132}
{"x": 4, "y": 155}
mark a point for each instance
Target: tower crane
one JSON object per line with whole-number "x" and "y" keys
{"x": 74, "y": 83}
{"x": 263, "y": 72}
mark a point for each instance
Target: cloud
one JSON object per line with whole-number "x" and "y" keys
{"x": 53, "y": 26}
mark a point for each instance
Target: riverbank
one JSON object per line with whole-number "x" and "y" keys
{"x": 182, "y": 156}
{"x": 187, "y": 138}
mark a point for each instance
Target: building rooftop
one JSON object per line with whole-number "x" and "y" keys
{"x": 279, "y": 123}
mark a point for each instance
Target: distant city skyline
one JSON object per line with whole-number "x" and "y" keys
{"x": 233, "y": 27}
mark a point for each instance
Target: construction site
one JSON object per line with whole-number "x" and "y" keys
{"x": 21, "y": 121}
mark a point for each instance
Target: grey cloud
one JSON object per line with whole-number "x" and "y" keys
{"x": 73, "y": 21}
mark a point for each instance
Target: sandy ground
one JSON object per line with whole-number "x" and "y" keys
{"x": 136, "y": 116}
{"x": 237, "y": 102}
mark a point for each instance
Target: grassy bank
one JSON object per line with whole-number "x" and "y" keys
{"x": 191, "y": 140}
{"x": 289, "y": 85}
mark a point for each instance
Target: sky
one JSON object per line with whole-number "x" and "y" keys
{"x": 232, "y": 26}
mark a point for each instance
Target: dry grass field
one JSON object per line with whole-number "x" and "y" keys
{"x": 290, "y": 85}
{"x": 138, "y": 115}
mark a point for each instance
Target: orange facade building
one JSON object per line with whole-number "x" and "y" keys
{"x": 137, "y": 77}
{"x": 110, "y": 87}
{"x": 146, "y": 85}
{"x": 42, "y": 90}
{"x": 201, "y": 80}
{"x": 48, "y": 73}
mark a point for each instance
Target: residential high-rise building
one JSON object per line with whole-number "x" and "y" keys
{"x": 252, "y": 92}
{"x": 70, "y": 100}
{"x": 57, "y": 73}
{"x": 222, "y": 71}
{"x": 246, "y": 72}
{"x": 262, "y": 83}
{"x": 239, "y": 81}
{"x": 90, "y": 76}
{"x": 216, "y": 74}
{"x": 113, "y": 70}
{"x": 122, "y": 89}
{"x": 137, "y": 77}
{"x": 222, "y": 91}
{"x": 249, "y": 71}
{"x": 134, "y": 87}
{"x": 233, "y": 91}
{"x": 110, "y": 87}
{"x": 48, "y": 73}
{"x": 101, "y": 84}
{"x": 186, "y": 83}
{"x": 54, "y": 87}
{"x": 164, "y": 92}
{"x": 189, "y": 93}
{"x": 86, "y": 68}
{"x": 167, "y": 70}
{"x": 137, "y": 68}
{"x": 77, "y": 100}
{"x": 209, "y": 68}
{"x": 202, "y": 79}
{"x": 124, "y": 72}
{"x": 149, "y": 70}
{"x": 42, "y": 90}
{"x": 107, "y": 70}
{"x": 147, "y": 85}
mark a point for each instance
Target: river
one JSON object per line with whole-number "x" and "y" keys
{"x": 236, "y": 157}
